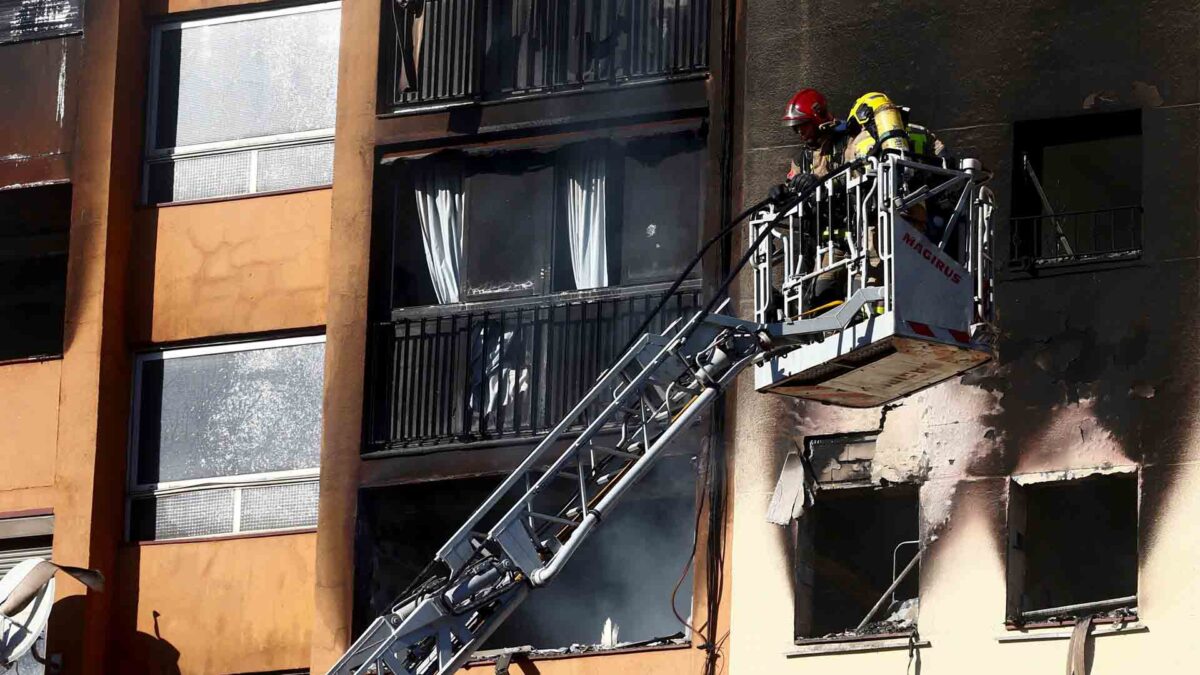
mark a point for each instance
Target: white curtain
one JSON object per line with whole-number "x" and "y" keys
{"x": 586, "y": 220}
{"x": 439, "y": 195}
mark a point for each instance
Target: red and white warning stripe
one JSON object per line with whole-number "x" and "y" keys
{"x": 939, "y": 333}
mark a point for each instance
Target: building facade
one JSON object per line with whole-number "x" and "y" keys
{"x": 290, "y": 286}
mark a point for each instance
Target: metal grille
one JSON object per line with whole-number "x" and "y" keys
{"x": 1063, "y": 239}
{"x": 448, "y": 64}
{"x": 189, "y": 514}
{"x": 540, "y": 46}
{"x": 36, "y": 19}
{"x": 508, "y": 372}
{"x": 279, "y": 507}
{"x": 295, "y": 166}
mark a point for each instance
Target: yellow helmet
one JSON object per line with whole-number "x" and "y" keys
{"x": 884, "y": 120}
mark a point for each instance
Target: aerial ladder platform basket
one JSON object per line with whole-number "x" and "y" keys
{"x": 854, "y": 305}
{"x": 919, "y": 237}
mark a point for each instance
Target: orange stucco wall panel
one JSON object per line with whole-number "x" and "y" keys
{"x": 227, "y": 606}
{"x": 228, "y": 267}
{"x": 29, "y": 420}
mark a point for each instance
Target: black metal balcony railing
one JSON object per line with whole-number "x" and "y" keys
{"x": 1077, "y": 237}
{"x": 504, "y": 371}
{"x": 493, "y": 49}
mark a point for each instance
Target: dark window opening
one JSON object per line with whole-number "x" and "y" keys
{"x": 625, "y": 573}
{"x": 1077, "y": 190}
{"x": 851, "y": 545}
{"x": 34, "y": 227}
{"x": 532, "y": 223}
{"x": 1070, "y": 543}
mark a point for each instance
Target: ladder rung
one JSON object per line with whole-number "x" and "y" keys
{"x": 553, "y": 519}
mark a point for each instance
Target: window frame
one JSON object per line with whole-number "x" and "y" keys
{"x": 152, "y": 154}
{"x": 804, "y": 535}
{"x": 1031, "y": 138}
{"x": 545, "y": 287}
{"x": 135, "y": 491}
{"x": 1016, "y": 566}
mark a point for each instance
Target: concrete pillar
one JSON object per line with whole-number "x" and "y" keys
{"x": 345, "y": 347}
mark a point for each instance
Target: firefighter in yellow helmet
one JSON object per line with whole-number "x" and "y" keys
{"x": 876, "y": 120}
{"x": 878, "y": 124}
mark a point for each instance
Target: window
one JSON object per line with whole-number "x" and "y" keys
{"x": 20, "y": 539}
{"x": 34, "y": 227}
{"x": 624, "y": 573}
{"x": 856, "y": 538}
{"x": 226, "y": 439}
{"x": 528, "y": 223}
{"x": 36, "y": 19}
{"x": 242, "y": 104}
{"x": 1077, "y": 194}
{"x": 1072, "y": 542}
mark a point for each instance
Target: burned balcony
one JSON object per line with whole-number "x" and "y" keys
{"x": 438, "y": 52}
{"x": 502, "y": 371}
{"x": 1099, "y": 235}
{"x": 506, "y": 281}
{"x": 1077, "y": 195}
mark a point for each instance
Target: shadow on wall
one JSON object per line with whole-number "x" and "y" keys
{"x": 142, "y": 653}
{"x": 154, "y": 654}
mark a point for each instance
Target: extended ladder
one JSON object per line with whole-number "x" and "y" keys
{"x": 638, "y": 407}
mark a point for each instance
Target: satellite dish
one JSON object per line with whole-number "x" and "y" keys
{"x": 26, "y": 598}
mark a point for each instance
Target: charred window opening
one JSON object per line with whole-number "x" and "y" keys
{"x": 527, "y": 223}
{"x": 854, "y": 538}
{"x": 623, "y": 575}
{"x": 854, "y": 543}
{"x": 1077, "y": 190}
{"x": 36, "y": 19}
{"x": 1072, "y": 548}
{"x": 34, "y": 227}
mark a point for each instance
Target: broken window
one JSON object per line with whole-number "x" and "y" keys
{"x": 1072, "y": 542}
{"x": 621, "y": 578}
{"x": 37, "y": 19}
{"x": 529, "y": 223}
{"x": 226, "y": 439}
{"x": 856, "y": 537}
{"x": 1077, "y": 190}
{"x": 34, "y": 227}
{"x": 242, "y": 104}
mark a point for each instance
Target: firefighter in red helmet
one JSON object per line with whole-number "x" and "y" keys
{"x": 823, "y": 135}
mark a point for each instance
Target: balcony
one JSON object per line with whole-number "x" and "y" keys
{"x": 485, "y": 373}
{"x": 440, "y": 52}
{"x": 1078, "y": 237}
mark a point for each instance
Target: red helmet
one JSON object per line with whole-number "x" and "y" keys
{"x": 807, "y": 105}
